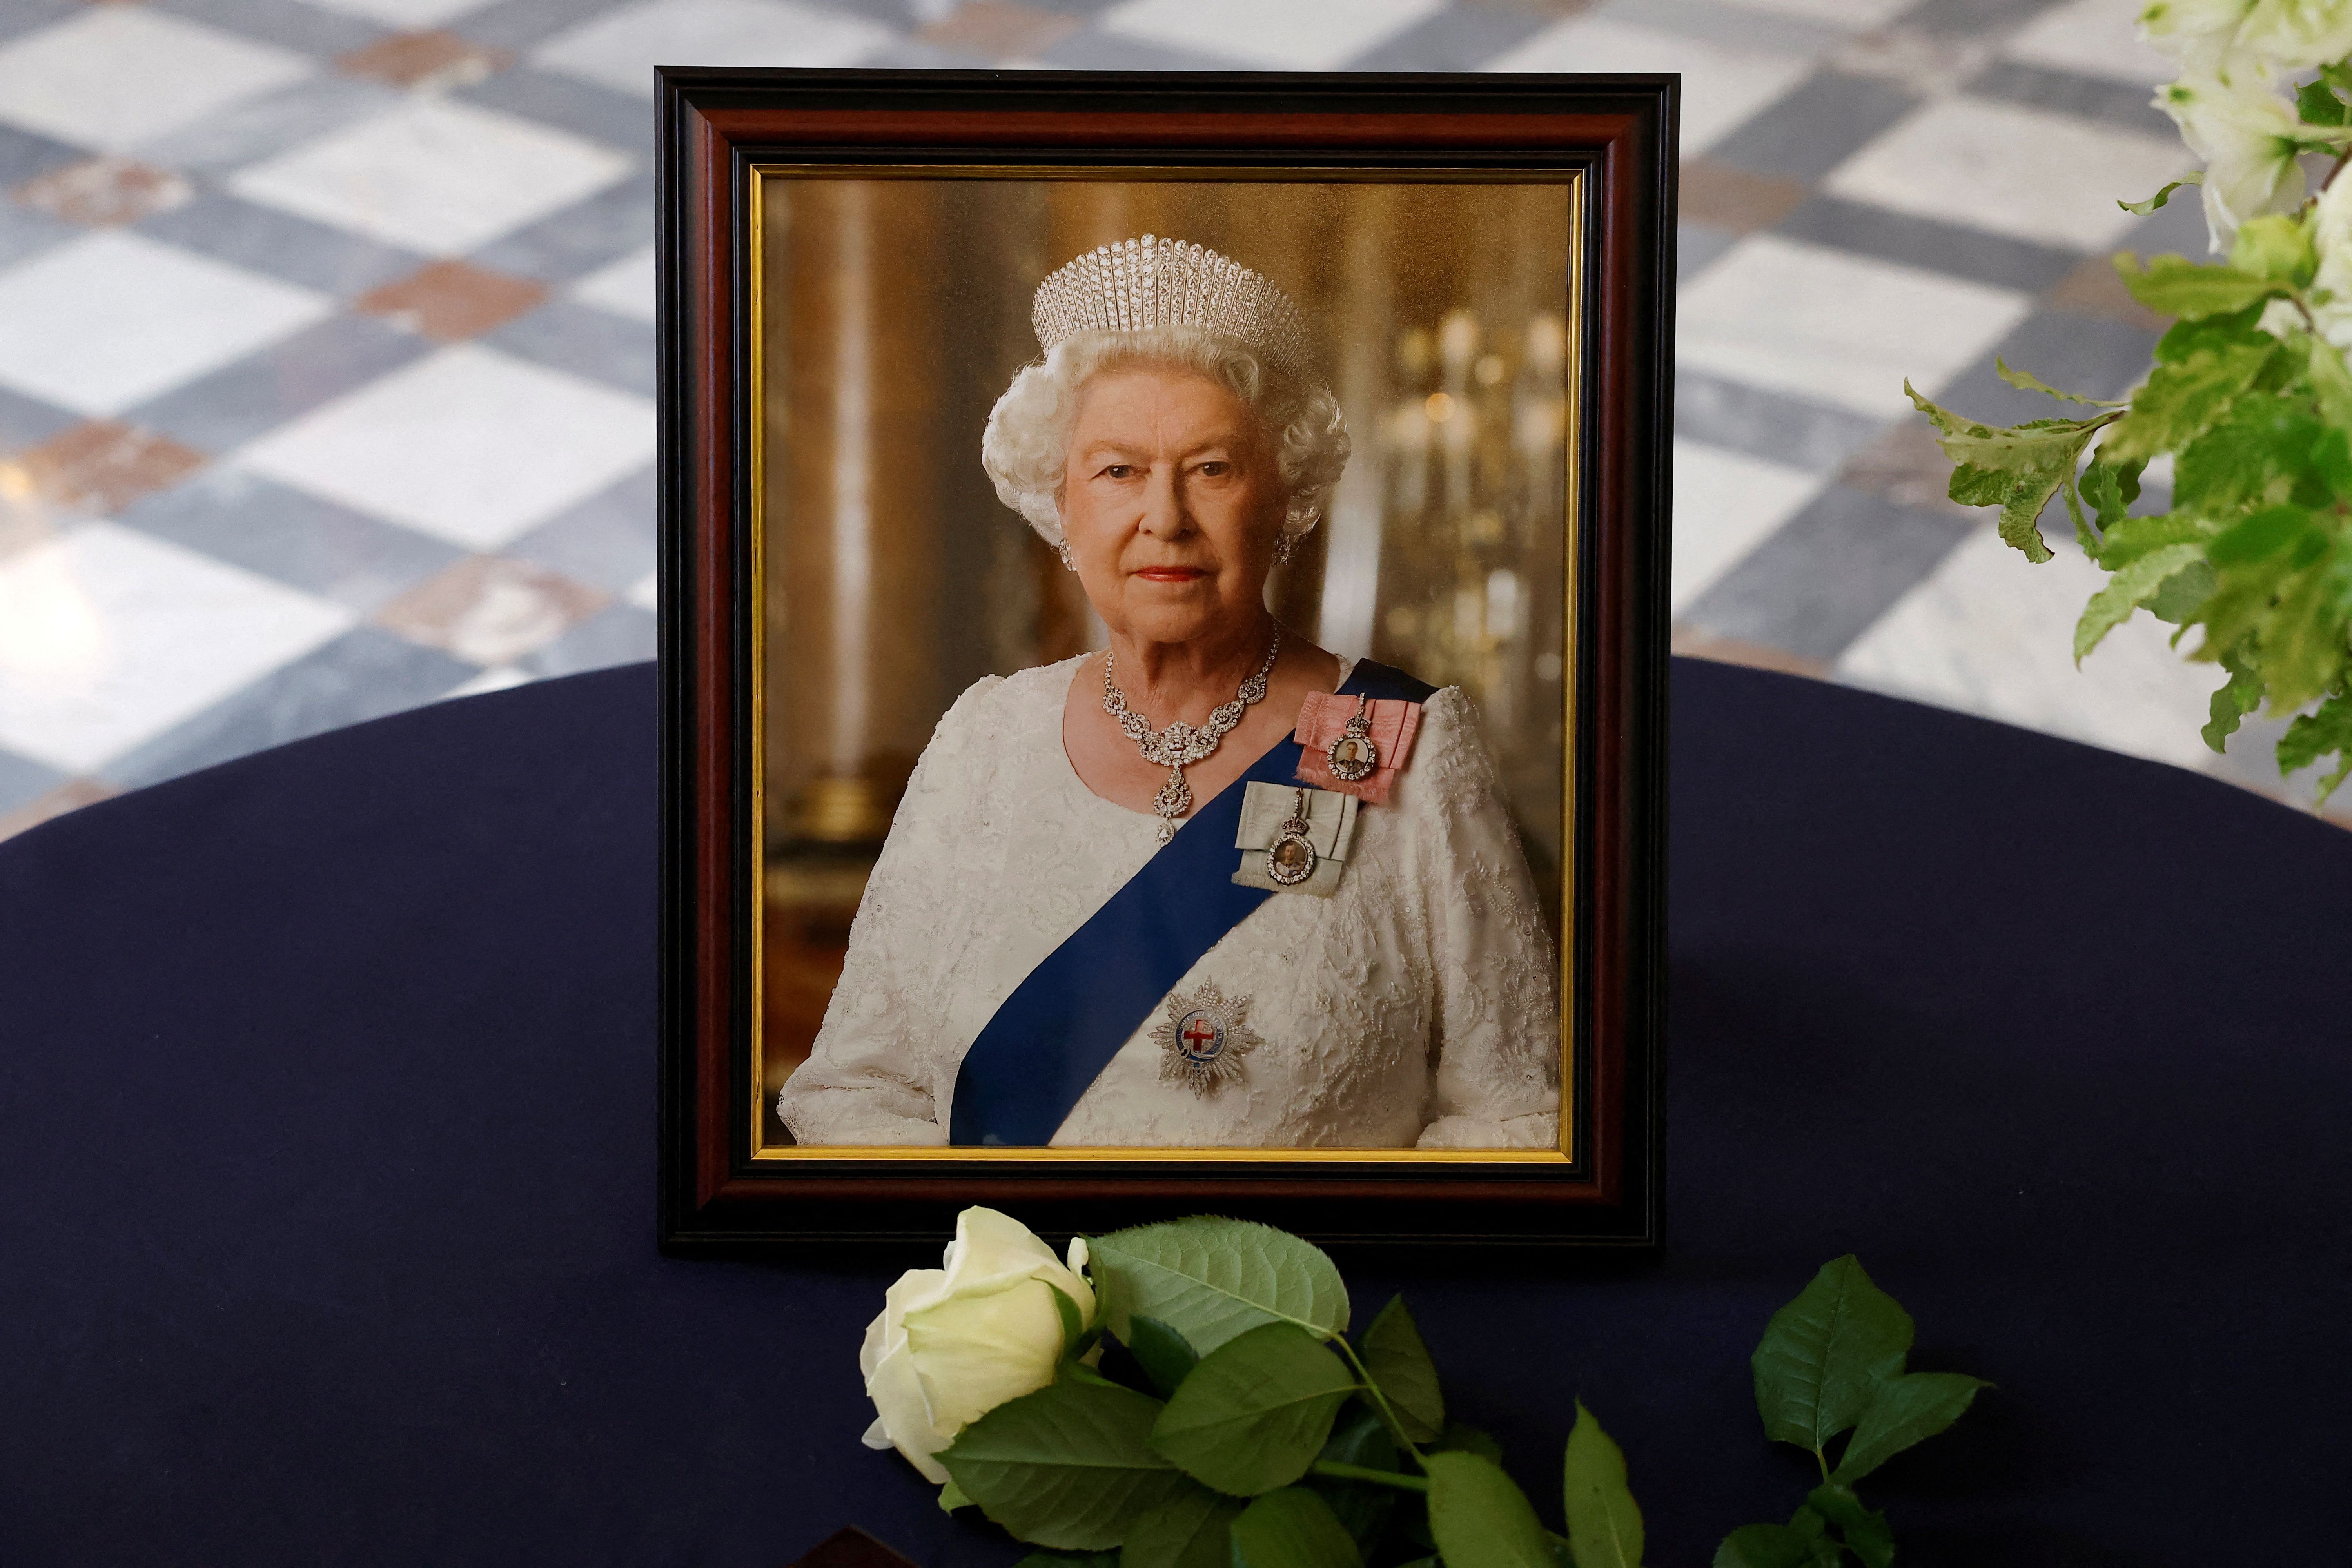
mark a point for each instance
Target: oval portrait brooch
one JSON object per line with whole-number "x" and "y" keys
{"x": 1204, "y": 1039}
{"x": 1354, "y": 754}
{"x": 1290, "y": 859}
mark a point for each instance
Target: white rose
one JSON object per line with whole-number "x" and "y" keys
{"x": 2247, "y": 135}
{"x": 2295, "y": 35}
{"x": 2199, "y": 34}
{"x": 2331, "y": 235}
{"x": 953, "y": 1343}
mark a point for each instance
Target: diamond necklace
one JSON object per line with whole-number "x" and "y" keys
{"x": 1180, "y": 745}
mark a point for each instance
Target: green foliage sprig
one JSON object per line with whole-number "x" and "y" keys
{"x": 1218, "y": 1415}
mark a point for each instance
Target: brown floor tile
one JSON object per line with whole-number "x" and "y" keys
{"x": 999, "y": 29}
{"x": 2093, "y": 288}
{"x": 1692, "y": 643}
{"x": 1730, "y": 198}
{"x": 434, "y": 59}
{"x": 1905, "y": 465}
{"x": 104, "y": 465}
{"x": 105, "y": 190}
{"x": 70, "y": 796}
{"x": 489, "y": 610}
{"x": 452, "y": 299}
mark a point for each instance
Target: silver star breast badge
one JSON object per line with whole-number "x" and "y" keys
{"x": 1204, "y": 1039}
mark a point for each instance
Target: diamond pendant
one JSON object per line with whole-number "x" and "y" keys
{"x": 1175, "y": 798}
{"x": 1354, "y": 754}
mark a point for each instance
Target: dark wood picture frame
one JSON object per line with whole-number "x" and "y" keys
{"x": 714, "y": 126}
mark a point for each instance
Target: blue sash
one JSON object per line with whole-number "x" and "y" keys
{"x": 1062, "y": 1024}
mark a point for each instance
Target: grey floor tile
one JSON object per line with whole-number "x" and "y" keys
{"x": 286, "y": 23}
{"x": 24, "y": 155}
{"x": 605, "y": 542}
{"x": 2089, "y": 354}
{"x": 27, "y": 232}
{"x": 23, "y": 16}
{"x": 620, "y": 634}
{"x": 909, "y": 14}
{"x": 519, "y": 23}
{"x": 248, "y": 132}
{"x": 235, "y": 404}
{"x": 1461, "y": 38}
{"x": 1095, "y": 50}
{"x": 1972, "y": 19}
{"x": 2085, "y": 97}
{"x": 587, "y": 341}
{"x": 913, "y": 54}
{"x": 1770, "y": 424}
{"x": 1698, "y": 244}
{"x": 1739, "y": 27}
{"x": 293, "y": 537}
{"x": 23, "y": 781}
{"x": 1950, "y": 248}
{"x": 615, "y": 118}
{"x": 366, "y": 673}
{"x": 581, "y": 237}
{"x": 2176, "y": 228}
{"x": 1074, "y": 7}
{"x": 28, "y": 421}
{"x": 266, "y": 240}
{"x": 1818, "y": 582}
{"x": 1821, "y": 122}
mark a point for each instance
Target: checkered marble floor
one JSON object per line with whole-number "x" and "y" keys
{"x": 327, "y": 355}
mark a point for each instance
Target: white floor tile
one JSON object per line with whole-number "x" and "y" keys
{"x": 2092, "y": 38}
{"x": 644, "y": 593}
{"x": 108, "y": 321}
{"x": 1722, "y": 87}
{"x": 468, "y": 445}
{"x": 117, "y": 75}
{"x": 499, "y": 678}
{"x": 620, "y": 50}
{"x": 108, "y": 638}
{"x": 625, "y": 288}
{"x": 1838, "y": 328}
{"x": 434, "y": 175}
{"x": 1726, "y": 504}
{"x": 1856, "y": 13}
{"x": 2025, "y": 172}
{"x": 406, "y": 15}
{"x": 1300, "y": 35}
{"x": 1989, "y": 633}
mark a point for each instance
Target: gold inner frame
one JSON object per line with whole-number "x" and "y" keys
{"x": 1572, "y": 1109}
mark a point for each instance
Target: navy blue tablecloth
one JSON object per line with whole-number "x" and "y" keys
{"x": 327, "y": 1164}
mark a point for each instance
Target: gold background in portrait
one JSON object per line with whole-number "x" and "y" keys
{"x": 895, "y": 309}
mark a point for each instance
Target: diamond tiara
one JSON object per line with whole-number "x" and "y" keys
{"x": 1154, "y": 281}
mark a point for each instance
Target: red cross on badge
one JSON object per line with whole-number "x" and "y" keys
{"x": 1201, "y": 1036}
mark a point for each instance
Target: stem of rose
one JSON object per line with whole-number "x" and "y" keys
{"x": 1345, "y": 1472}
{"x": 1388, "y": 1412}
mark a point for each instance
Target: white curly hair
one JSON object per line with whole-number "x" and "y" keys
{"x": 1025, "y": 447}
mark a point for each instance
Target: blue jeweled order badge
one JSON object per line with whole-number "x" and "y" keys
{"x": 1204, "y": 1039}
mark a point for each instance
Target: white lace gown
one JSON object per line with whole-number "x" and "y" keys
{"x": 1417, "y": 1006}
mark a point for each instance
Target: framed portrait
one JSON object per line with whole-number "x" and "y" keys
{"x": 1163, "y": 652}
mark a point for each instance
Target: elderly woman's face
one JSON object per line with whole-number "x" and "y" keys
{"x": 1172, "y": 504}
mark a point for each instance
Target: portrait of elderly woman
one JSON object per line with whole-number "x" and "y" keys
{"x": 1211, "y": 885}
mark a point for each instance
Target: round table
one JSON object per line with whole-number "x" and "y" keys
{"x": 327, "y": 1145}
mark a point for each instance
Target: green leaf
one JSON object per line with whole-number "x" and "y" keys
{"x": 1069, "y": 1560}
{"x": 2275, "y": 246}
{"x": 2127, "y": 590}
{"x": 1903, "y": 1410}
{"x": 1480, "y": 1517}
{"x": 2181, "y": 399}
{"x": 2026, "y": 380}
{"x": 2304, "y": 642}
{"x": 1393, "y": 1353}
{"x": 1360, "y": 1437}
{"x": 1070, "y": 1465}
{"x": 1160, "y": 1350}
{"x": 2016, "y": 467}
{"x": 2316, "y": 105}
{"x": 1291, "y": 1529}
{"x": 2183, "y": 596}
{"x": 1256, "y": 1410}
{"x": 1823, "y": 1354}
{"x": 2144, "y": 208}
{"x": 2103, "y": 487}
{"x": 1190, "y": 1529}
{"x": 2134, "y": 536}
{"x": 1075, "y": 1341}
{"x": 2331, "y": 381}
{"x": 1211, "y": 1278}
{"x": 2236, "y": 697}
{"x": 1461, "y": 1437}
{"x": 1866, "y": 1533}
{"x": 1604, "y": 1526}
{"x": 2259, "y": 537}
{"x": 1774, "y": 1546}
{"x": 2176, "y": 286}
{"x": 2328, "y": 730}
